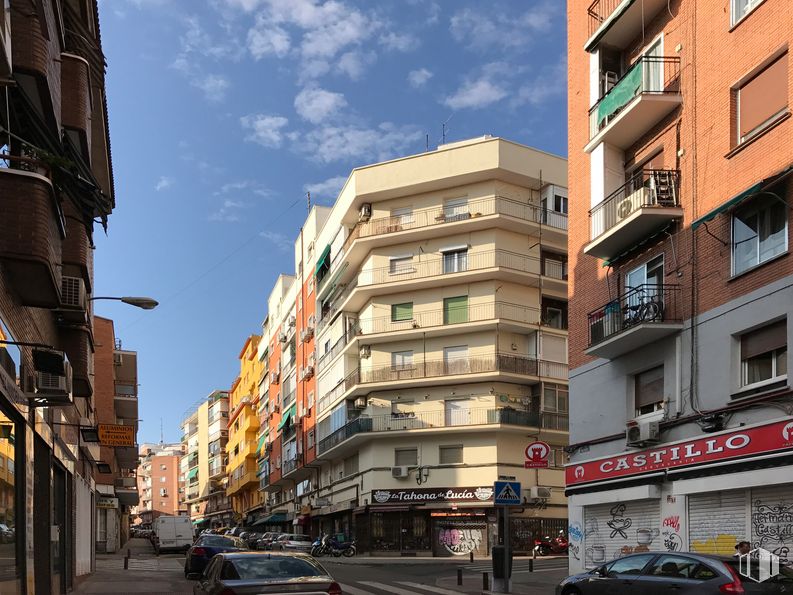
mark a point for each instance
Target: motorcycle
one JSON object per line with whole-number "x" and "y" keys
{"x": 329, "y": 545}
{"x": 317, "y": 549}
{"x": 546, "y": 545}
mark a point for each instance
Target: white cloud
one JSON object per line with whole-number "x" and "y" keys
{"x": 354, "y": 143}
{"x": 279, "y": 240}
{"x": 214, "y": 86}
{"x": 264, "y": 130}
{"x": 229, "y": 211}
{"x": 551, "y": 83}
{"x": 354, "y": 63}
{"x": 244, "y": 187}
{"x": 499, "y": 29}
{"x": 401, "y": 42}
{"x": 163, "y": 183}
{"x": 329, "y": 188}
{"x": 476, "y": 94}
{"x": 418, "y": 78}
{"x": 315, "y": 104}
{"x": 246, "y": 5}
{"x": 264, "y": 39}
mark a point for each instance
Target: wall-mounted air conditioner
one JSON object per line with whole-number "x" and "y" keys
{"x": 52, "y": 377}
{"x": 306, "y": 334}
{"x": 360, "y": 403}
{"x": 274, "y": 377}
{"x": 308, "y": 372}
{"x": 72, "y": 291}
{"x": 282, "y": 337}
{"x": 365, "y": 213}
{"x": 538, "y": 493}
{"x": 401, "y": 472}
{"x": 640, "y": 434}
{"x": 292, "y": 321}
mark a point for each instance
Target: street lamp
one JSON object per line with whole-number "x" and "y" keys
{"x": 145, "y": 303}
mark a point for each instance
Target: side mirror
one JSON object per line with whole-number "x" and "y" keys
{"x": 194, "y": 576}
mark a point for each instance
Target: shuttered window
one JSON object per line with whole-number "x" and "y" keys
{"x": 616, "y": 529}
{"x": 401, "y": 312}
{"x": 763, "y": 99}
{"x": 455, "y": 309}
{"x": 764, "y": 353}
{"x": 716, "y": 522}
{"x": 450, "y": 455}
{"x": 649, "y": 390}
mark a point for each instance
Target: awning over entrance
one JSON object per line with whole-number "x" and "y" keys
{"x": 760, "y": 186}
{"x": 272, "y": 519}
{"x": 287, "y": 415}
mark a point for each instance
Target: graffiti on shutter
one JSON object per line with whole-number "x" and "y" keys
{"x": 717, "y": 521}
{"x": 614, "y": 530}
{"x": 772, "y": 520}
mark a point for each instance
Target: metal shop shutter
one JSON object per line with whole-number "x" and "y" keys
{"x": 612, "y": 530}
{"x": 716, "y": 521}
{"x": 772, "y": 520}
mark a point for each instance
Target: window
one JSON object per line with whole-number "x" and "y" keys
{"x": 455, "y": 309}
{"x": 162, "y": 479}
{"x": 759, "y": 233}
{"x": 402, "y": 216}
{"x": 764, "y": 354}
{"x": 126, "y": 389}
{"x": 762, "y": 100}
{"x": 455, "y": 261}
{"x": 455, "y": 359}
{"x": 400, "y": 264}
{"x": 310, "y": 439}
{"x": 351, "y": 465}
{"x": 406, "y": 457}
{"x": 680, "y": 567}
{"x": 400, "y": 312}
{"x": 402, "y": 360}
{"x": 163, "y": 492}
{"x": 456, "y": 209}
{"x": 649, "y": 391}
{"x": 311, "y": 286}
{"x": 450, "y": 455}
{"x": 555, "y": 398}
{"x": 630, "y": 565}
{"x": 310, "y": 400}
{"x": 163, "y": 468}
{"x": 741, "y": 8}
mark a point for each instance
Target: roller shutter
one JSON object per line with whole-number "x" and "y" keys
{"x": 613, "y": 530}
{"x": 717, "y": 521}
{"x": 772, "y": 520}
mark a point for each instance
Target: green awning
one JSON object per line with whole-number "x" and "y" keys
{"x": 272, "y": 519}
{"x": 323, "y": 260}
{"x": 260, "y": 446}
{"x": 290, "y": 411}
{"x": 739, "y": 198}
{"x": 621, "y": 93}
{"x": 192, "y": 473}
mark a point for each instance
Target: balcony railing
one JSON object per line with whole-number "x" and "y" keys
{"x": 442, "y": 419}
{"x": 645, "y": 304}
{"x": 599, "y": 11}
{"x": 647, "y": 188}
{"x": 439, "y": 215}
{"x": 649, "y": 75}
{"x": 288, "y": 466}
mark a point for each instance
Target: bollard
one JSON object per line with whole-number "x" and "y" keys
{"x": 472, "y": 556}
{"x": 531, "y": 565}
{"x": 126, "y": 563}
{"x": 459, "y": 576}
{"x": 485, "y": 582}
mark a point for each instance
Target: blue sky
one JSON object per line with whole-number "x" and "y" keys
{"x": 224, "y": 113}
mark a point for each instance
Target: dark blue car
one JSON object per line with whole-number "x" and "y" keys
{"x": 205, "y": 548}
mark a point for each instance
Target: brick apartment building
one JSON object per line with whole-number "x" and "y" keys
{"x": 159, "y": 482}
{"x": 55, "y": 181}
{"x": 681, "y": 293}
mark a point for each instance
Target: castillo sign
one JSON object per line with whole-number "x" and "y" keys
{"x": 537, "y": 455}
{"x": 116, "y": 435}
{"x": 765, "y": 438}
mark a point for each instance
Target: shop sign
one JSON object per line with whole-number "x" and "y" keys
{"x": 305, "y": 509}
{"x": 106, "y": 502}
{"x": 755, "y": 440}
{"x": 481, "y": 494}
{"x": 116, "y": 435}
{"x": 537, "y": 455}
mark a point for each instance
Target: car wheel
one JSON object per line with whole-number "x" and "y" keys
{"x": 571, "y": 591}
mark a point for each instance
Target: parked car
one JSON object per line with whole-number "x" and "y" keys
{"x": 293, "y": 542}
{"x": 206, "y": 547}
{"x": 237, "y": 531}
{"x": 172, "y": 533}
{"x": 251, "y": 538}
{"x": 682, "y": 573}
{"x": 251, "y": 573}
{"x": 266, "y": 541}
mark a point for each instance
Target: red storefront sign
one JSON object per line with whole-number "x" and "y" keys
{"x": 762, "y": 439}
{"x": 537, "y": 455}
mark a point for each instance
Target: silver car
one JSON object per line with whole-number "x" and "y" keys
{"x": 293, "y": 542}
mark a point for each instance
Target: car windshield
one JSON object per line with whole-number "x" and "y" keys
{"x": 275, "y": 567}
{"x": 219, "y": 541}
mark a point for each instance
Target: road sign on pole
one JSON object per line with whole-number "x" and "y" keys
{"x": 507, "y": 493}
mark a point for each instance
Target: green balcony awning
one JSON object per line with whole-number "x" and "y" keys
{"x": 260, "y": 445}
{"x": 271, "y": 519}
{"x": 625, "y": 90}
{"x": 290, "y": 411}
{"x": 323, "y": 261}
{"x": 193, "y": 473}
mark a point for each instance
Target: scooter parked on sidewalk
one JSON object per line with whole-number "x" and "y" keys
{"x": 547, "y": 545}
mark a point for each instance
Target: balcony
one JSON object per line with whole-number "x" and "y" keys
{"x": 617, "y": 23}
{"x": 32, "y": 231}
{"x": 639, "y": 317}
{"x": 433, "y": 420}
{"x": 647, "y": 202}
{"x": 242, "y": 481}
{"x": 126, "y": 406}
{"x": 288, "y": 466}
{"x": 216, "y": 470}
{"x": 638, "y": 101}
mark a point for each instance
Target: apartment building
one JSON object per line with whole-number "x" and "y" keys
{"x": 682, "y": 289}
{"x": 202, "y": 467}
{"x": 160, "y": 490}
{"x": 52, "y": 111}
{"x": 434, "y": 295}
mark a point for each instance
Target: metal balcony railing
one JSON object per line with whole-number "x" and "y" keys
{"x": 649, "y": 75}
{"x": 439, "y": 215}
{"x": 645, "y": 304}
{"x": 646, "y": 188}
{"x": 599, "y": 11}
{"x": 288, "y": 466}
{"x": 442, "y": 418}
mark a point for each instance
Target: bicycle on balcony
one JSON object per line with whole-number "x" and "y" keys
{"x": 644, "y": 307}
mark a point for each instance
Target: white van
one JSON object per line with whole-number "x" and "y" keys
{"x": 172, "y": 533}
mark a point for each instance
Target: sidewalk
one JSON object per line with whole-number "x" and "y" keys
{"x": 147, "y": 573}
{"x": 389, "y": 560}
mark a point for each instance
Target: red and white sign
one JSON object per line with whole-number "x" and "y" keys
{"x": 755, "y": 440}
{"x": 537, "y": 454}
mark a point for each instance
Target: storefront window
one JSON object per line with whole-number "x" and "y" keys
{"x": 10, "y": 571}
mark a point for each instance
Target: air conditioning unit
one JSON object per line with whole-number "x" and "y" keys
{"x": 52, "y": 379}
{"x": 538, "y": 493}
{"x": 306, "y": 334}
{"x": 365, "y": 212}
{"x": 365, "y": 351}
{"x": 292, "y": 321}
{"x": 360, "y": 403}
{"x": 312, "y": 320}
{"x": 282, "y": 337}
{"x": 400, "y": 472}
{"x": 624, "y": 209}
{"x": 274, "y": 376}
{"x": 73, "y": 292}
{"x": 642, "y": 433}
{"x": 308, "y": 372}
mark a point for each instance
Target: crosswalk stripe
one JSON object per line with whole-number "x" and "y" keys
{"x": 389, "y": 588}
{"x": 430, "y": 588}
{"x": 353, "y": 590}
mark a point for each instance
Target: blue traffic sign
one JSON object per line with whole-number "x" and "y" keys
{"x": 507, "y": 492}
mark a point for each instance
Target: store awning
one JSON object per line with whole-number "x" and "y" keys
{"x": 273, "y": 519}
{"x": 287, "y": 415}
{"x": 760, "y": 186}
{"x": 193, "y": 473}
{"x": 324, "y": 260}
{"x": 260, "y": 445}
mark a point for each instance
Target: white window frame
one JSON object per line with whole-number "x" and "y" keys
{"x": 399, "y": 265}
{"x": 775, "y": 377}
{"x": 402, "y": 216}
{"x": 758, "y": 262}
{"x": 457, "y": 260}
{"x": 750, "y": 8}
{"x": 456, "y": 209}
{"x": 407, "y": 361}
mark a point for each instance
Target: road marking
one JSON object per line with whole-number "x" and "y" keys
{"x": 389, "y": 588}
{"x": 353, "y": 590}
{"x": 430, "y": 588}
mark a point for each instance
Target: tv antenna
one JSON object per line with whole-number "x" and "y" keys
{"x": 308, "y": 200}
{"x": 443, "y": 128}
